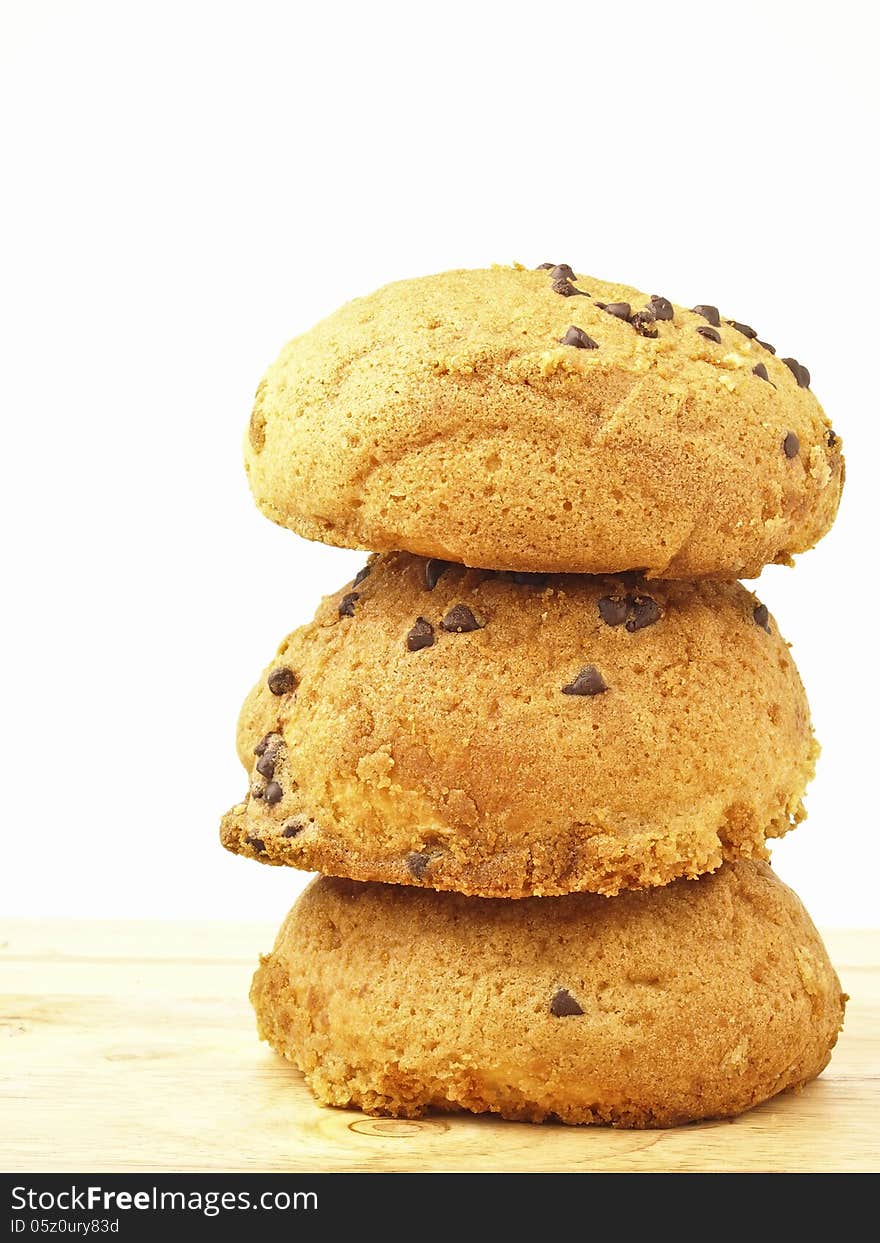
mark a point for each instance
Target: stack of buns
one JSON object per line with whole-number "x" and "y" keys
{"x": 537, "y": 746}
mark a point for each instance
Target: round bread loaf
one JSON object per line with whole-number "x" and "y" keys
{"x": 698, "y": 1000}
{"x": 538, "y": 420}
{"x": 511, "y": 735}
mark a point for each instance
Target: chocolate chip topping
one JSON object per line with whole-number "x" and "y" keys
{"x": 620, "y": 310}
{"x": 434, "y": 570}
{"x": 743, "y": 328}
{"x": 791, "y": 445}
{"x": 644, "y": 612}
{"x": 660, "y": 308}
{"x": 273, "y": 792}
{"x": 588, "y": 682}
{"x": 361, "y": 575}
{"x": 562, "y": 272}
{"x": 524, "y": 578}
{"x": 268, "y": 746}
{"x": 460, "y": 620}
{"x": 578, "y": 338}
{"x": 421, "y": 635}
{"x": 545, "y": 267}
{"x": 613, "y": 610}
{"x": 566, "y": 288}
{"x": 417, "y": 864}
{"x": 292, "y": 827}
{"x": 348, "y": 602}
{"x": 832, "y": 439}
{"x": 637, "y": 611}
{"x": 799, "y": 371}
{"x": 711, "y": 334}
{"x": 256, "y": 843}
{"x": 771, "y": 349}
{"x": 266, "y": 764}
{"x": 644, "y": 323}
{"x": 762, "y": 617}
{"x": 563, "y": 1005}
{"x": 761, "y": 372}
{"x": 710, "y": 313}
{"x": 281, "y": 680}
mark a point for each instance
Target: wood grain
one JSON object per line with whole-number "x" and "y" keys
{"x": 131, "y": 1047}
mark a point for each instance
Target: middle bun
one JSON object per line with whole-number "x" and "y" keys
{"x": 512, "y": 735}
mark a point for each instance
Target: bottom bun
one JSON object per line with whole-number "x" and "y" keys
{"x": 697, "y": 1000}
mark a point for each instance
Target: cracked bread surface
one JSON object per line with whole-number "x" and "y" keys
{"x": 448, "y": 416}
{"x": 560, "y": 733}
{"x": 698, "y": 1000}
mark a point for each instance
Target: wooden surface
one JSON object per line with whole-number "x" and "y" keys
{"x": 131, "y": 1046}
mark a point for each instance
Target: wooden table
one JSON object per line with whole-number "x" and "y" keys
{"x": 131, "y": 1047}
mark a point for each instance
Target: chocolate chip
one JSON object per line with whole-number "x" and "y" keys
{"x": 645, "y": 611}
{"x": 762, "y": 617}
{"x": 644, "y": 323}
{"x": 743, "y": 328}
{"x": 710, "y": 334}
{"x": 273, "y": 792}
{"x": 771, "y": 349}
{"x": 709, "y": 312}
{"x": 637, "y": 611}
{"x": 620, "y": 310}
{"x": 460, "y": 620}
{"x": 434, "y": 569}
{"x": 257, "y": 791}
{"x": 292, "y": 827}
{"x": 417, "y": 864}
{"x": 832, "y": 439}
{"x": 525, "y": 578}
{"x": 601, "y": 305}
{"x": 613, "y": 610}
{"x": 256, "y": 843}
{"x": 588, "y": 682}
{"x": 266, "y": 764}
{"x": 578, "y": 338}
{"x": 361, "y": 575}
{"x": 348, "y": 602}
{"x": 564, "y": 1005}
{"x": 660, "y": 308}
{"x": 281, "y": 681}
{"x": 791, "y": 445}
{"x": 799, "y": 371}
{"x": 562, "y": 272}
{"x": 545, "y": 267}
{"x": 566, "y": 288}
{"x": 268, "y": 745}
{"x": 761, "y": 372}
{"x": 421, "y": 635}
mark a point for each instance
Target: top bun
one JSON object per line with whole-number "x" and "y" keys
{"x": 544, "y": 421}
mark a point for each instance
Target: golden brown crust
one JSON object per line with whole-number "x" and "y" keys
{"x": 699, "y": 1000}
{"x": 465, "y": 765}
{"x": 444, "y": 416}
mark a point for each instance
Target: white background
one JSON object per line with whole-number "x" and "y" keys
{"x": 185, "y": 186}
